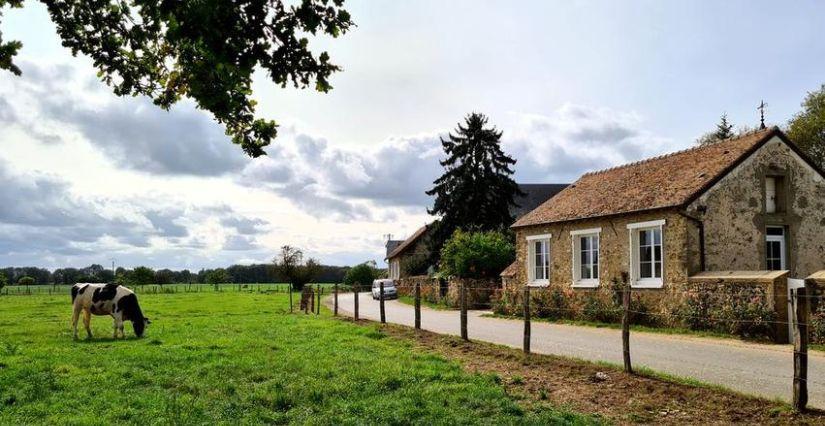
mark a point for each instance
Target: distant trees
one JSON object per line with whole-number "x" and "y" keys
{"x": 476, "y": 254}
{"x": 724, "y": 130}
{"x": 141, "y": 275}
{"x": 247, "y": 274}
{"x": 3, "y": 281}
{"x": 218, "y": 276}
{"x": 26, "y": 280}
{"x": 290, "y": 265}
{"x": 476, "y": 190}
{"x": 361, "y": 276}
{"x": 807, "y": 128}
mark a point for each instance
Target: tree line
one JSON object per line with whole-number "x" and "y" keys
{"x": 142, "y": 275}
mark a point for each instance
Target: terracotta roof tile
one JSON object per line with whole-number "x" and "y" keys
{"x": 667, "y": 181}
{"x": 408, "y": 242}
{"x": 510, "y": 271}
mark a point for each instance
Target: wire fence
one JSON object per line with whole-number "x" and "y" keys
{"x": 756, "y": 309}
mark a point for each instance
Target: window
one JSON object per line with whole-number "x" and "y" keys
{"x": 646, "y": 254}
{"x": 775, "y": 248}
{"x": 774, "y": 194}
{"x": 585, "y": 257}
{"x": 538, "y": 270}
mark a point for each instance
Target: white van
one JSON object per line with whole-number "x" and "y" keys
{"x": 390, "y": 292}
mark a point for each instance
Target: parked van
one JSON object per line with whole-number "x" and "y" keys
{"x": 390, "y": 292}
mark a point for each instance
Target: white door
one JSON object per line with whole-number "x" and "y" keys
{"x": 775, "y": 248}
{"x": 793, "y": 284}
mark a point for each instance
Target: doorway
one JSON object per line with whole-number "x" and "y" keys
{"x": 775, "y": 252}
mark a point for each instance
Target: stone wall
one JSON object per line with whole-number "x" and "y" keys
{"x": 753, "y": 307}
{"x": 733, "y": 212}
{"x": 446, "y": 292}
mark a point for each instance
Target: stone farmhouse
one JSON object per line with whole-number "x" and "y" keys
{"x": 750, "y": 203}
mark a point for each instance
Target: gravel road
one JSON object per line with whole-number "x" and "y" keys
{"x": 757, "y": 369}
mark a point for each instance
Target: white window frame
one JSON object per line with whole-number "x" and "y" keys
{"x": 531, "y": 256}
{"x": 770, "y": 194}
{"x": 575, "y": 238}
{"x": 633, "y": 231}
{"x": 781, "y": 240}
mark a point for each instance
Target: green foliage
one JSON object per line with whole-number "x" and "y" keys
{"x": 141, "y": 275}
{"x": 239, "y": 358}
{"x": 203, "y": 50}
{"x": 361, "y": 275}
{"x": 476, "y": 190}
{"x": 218, "y": 276}
{"x": 26, "y": 280}
{"x": 290, "y": 266}
{"x": 724, "y": 130}
{"x": 476, "y": 254}
{"x": 3, "y": 280}
{"x": 741, "y": 310}
{"x": 807, "y": 128}
{"x": 552, "y": 303}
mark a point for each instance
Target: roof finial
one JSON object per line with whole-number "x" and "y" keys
{"x": 761, "y": 109}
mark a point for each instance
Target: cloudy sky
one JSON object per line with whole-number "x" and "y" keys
{"x": 86, "y": 177}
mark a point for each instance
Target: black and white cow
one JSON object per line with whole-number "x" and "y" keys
{"x": 107, "y": 299}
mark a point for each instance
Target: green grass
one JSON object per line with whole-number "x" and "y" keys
{"x": 409, "y": 300}
{"x": 235, "y": 358}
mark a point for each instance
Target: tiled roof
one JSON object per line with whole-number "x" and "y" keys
{"x": 510, "y": 271}
{"x": 534, "y": 195}
{"x": 392, "y": 244}
{"x": 668, "y": 181}
{"x": 408, "y": 242}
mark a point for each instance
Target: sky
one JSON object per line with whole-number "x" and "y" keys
{"x": 88, "y": 177}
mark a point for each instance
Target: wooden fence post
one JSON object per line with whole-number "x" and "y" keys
{"x": 628, "y": 368}
{"x": 381, "y": 302}
{"x": 318, "y": 293}
{"x": 335, "y": 300}
{"x": 289, "y": 289}
{"x": 800, "y": 348}
{"x": 417, "y": 305}
{"x": 355, "y": 289}
{"x": 527, "y": 319}
{"x": 463, "y": 300}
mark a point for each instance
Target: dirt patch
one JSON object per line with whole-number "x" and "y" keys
{"x": 599, "y": 389}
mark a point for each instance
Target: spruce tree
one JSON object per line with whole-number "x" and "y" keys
{"x": 724, "y": 129}
{"x": 476, "y": 190}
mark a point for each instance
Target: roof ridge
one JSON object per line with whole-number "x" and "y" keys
{"x": 671, "y": 154}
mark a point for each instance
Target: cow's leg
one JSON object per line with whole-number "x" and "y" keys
{"x": 87, "y": 322}
{"x": 118, "y": 324}
{"x": 75, "y": 316}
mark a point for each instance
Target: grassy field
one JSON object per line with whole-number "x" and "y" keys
{"x": 236, "y": 358}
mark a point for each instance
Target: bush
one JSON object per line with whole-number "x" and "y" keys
{"x": 360, "y": 275}
{"x": 26, "y": 280}
{"x": 476, "y": 254}
{"x": 3, "y": 280}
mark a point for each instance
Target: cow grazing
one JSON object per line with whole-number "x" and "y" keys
{"x": 107, "y": 299}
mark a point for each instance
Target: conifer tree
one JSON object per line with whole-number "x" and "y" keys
{"x": 724, "y": 130}
{"x": 476, "y": 190}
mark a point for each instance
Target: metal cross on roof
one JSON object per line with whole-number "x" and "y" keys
{"x": 762, "y": 107}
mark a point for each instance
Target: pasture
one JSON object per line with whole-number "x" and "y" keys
{"x": 235, "y": 357}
